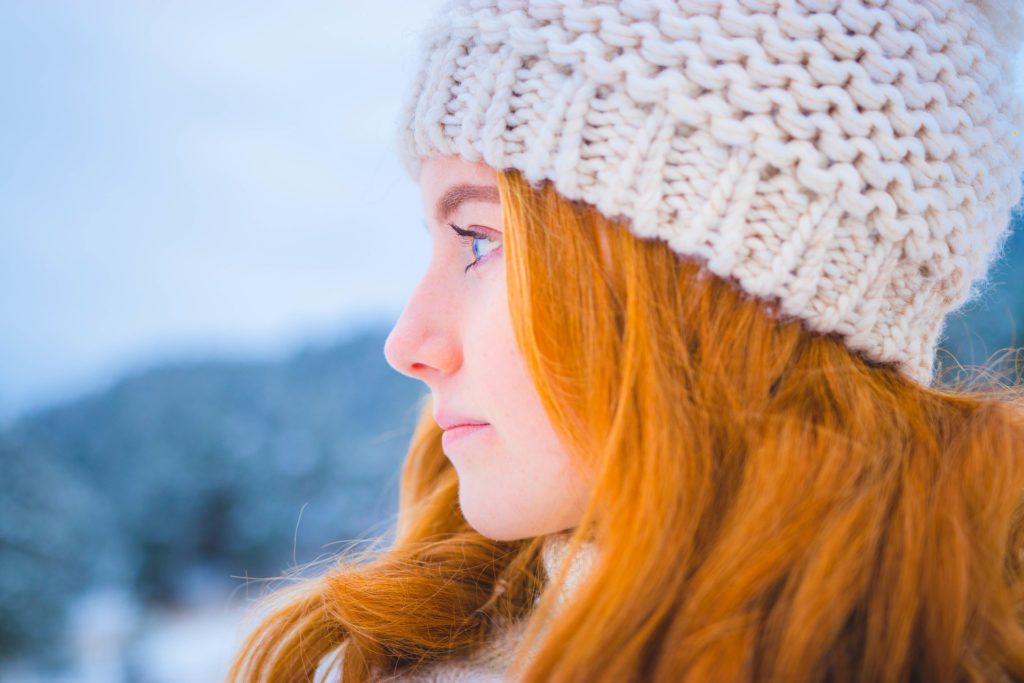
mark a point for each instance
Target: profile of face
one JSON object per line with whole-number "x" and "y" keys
{"x": 455, "y": 335}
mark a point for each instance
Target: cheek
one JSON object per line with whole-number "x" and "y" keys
{"x": 500, "y": 377}
{"x": 500, "y": 369}
{"x": 514, "y": 395}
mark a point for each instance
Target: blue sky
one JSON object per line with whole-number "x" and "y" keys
{"x": 187, "y": 178}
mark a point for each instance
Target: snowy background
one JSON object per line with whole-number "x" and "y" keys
{"x": 205, "y": 236}
{"x": 210, "y": 189}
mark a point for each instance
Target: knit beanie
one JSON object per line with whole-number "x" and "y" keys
{"x": 855, "y": 162}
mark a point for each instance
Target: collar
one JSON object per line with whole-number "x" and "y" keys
{"x": 555, "y": 549}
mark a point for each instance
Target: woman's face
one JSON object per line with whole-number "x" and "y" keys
{"x": 455, "y": 335}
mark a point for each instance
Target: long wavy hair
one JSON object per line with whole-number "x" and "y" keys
{"x": 768, "y": 505}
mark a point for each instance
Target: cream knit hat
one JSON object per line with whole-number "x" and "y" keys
{"x": 857, "y": 160}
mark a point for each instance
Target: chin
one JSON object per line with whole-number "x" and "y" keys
{"x": 486, "y": 519}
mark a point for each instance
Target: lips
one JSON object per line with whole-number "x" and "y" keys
{"x": 458, "y": 426}
{"x": 460, "y": 432}
{"x": 448, "y": 420}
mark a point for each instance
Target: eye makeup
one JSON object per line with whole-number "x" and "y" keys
{"x": 469, "y": 236}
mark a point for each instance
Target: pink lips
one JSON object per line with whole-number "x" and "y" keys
{"x": 456, "y": 434}
{"x": 457, "y": 427}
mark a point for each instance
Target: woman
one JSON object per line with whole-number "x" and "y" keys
{"x": 690, "y": 264}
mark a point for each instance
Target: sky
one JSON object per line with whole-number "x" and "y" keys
{"x": 189, "y": 179}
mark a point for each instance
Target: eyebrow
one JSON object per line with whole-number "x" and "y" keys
{"x": 458, "y": 194}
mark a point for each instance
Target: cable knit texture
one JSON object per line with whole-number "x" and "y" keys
{"x": 854, "y": 161}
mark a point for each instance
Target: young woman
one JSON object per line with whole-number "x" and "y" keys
{"x": 690, "y": 264}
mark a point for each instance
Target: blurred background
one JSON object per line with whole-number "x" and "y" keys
{"x": 205, "y": 236}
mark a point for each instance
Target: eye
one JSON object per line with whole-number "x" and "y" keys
{"x": 472, "y": 238}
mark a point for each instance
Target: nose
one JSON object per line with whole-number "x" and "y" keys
{"x": 424, "y": 342}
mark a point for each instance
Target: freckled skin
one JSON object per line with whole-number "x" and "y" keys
{"x": 455, "y": 335}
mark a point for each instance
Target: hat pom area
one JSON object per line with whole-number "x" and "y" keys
{"x": 855, "y": 161}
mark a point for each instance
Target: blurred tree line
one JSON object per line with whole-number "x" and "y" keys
{"x": 196, "y": 465}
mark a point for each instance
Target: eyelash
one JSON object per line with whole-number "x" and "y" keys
{"x": 468, "y": 236}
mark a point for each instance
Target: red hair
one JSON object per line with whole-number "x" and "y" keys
{"x": 769, "y": 505}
